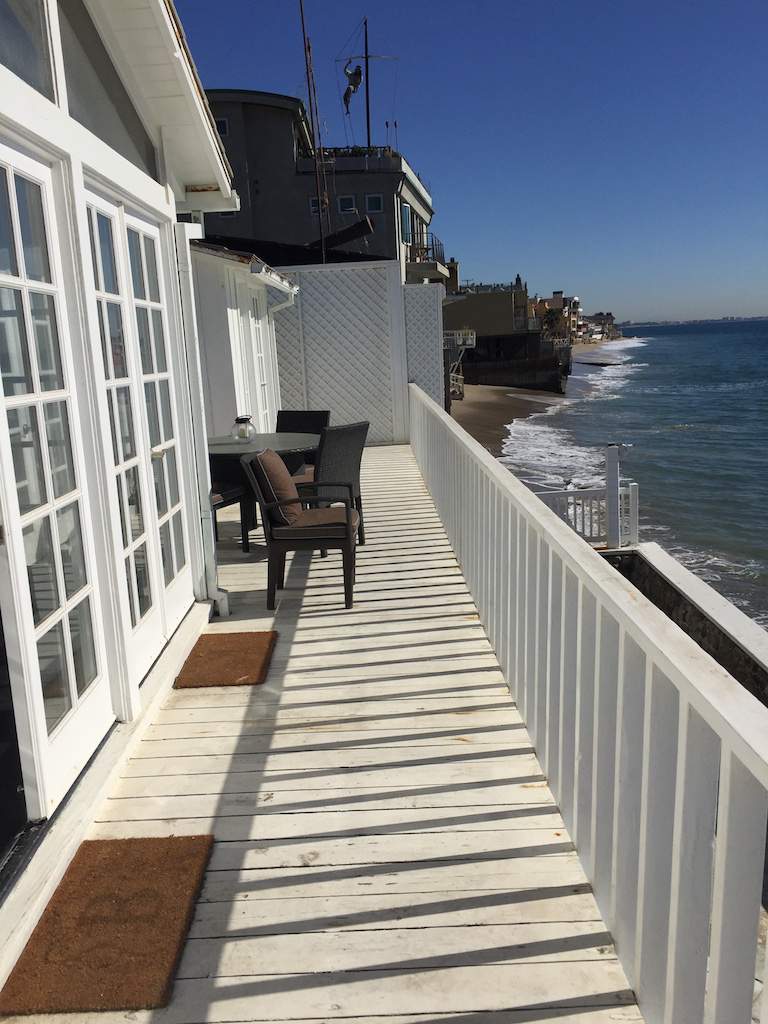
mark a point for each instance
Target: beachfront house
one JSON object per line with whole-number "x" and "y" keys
{"x": 105, "y": 136}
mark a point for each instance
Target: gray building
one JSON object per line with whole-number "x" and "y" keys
{"x": 269, "y": 144}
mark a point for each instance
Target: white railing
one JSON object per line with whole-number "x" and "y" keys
{"x": 656, "y": 756}
{"x": 587, "y": 511}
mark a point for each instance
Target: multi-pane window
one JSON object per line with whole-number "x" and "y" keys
{"x": 150, "y": 314}
{"x": 123, "y": 422}
{"x": 346, "y": 204}
{"x": 37, "y": 399}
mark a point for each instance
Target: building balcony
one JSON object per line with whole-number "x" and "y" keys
{"x": 425, "y": 260}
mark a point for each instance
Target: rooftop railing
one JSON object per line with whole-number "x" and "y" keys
{"x": 657, "y": 757}
{"x": 427, "y": 250}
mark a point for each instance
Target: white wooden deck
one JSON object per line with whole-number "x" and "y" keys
{"x": 386, "y": 844}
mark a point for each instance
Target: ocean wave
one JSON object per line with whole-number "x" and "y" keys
{"x": 546, "y": 457}
{"x": 715, "y": 387}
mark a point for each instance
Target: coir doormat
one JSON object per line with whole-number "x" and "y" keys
{"x": 113, "y": 932}
{"x": 228, "y": 659}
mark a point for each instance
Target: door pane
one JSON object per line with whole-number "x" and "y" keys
{"x": 14, "y": 354}
{"x": 165, "y": 405}
{"x": 107, "y": 251}
{"x": 149, "y": 253}
{"x": 27, "y": 458}
{"x": 53, "y": 676}
{"x": 135, "y": 514}
{"x": 150, "y": 397}
{"x": 101, "y": 313}
{"x": 165, "y": 547}
{"x": 59, "y": 448}
{"x": 145, "y": 341}
{"x": 72, "y": 554}
{"x": 120, "y": 505}
{"x": 117, "y": 340}
{"x": 142, "y": 580}
{"x": 129, "y": 581}
{"x": 83, "y": 648}
{"x": 178, "y": 542}
{"x": 173, "y": 476}
{"x": 159, "y": 472}
{"x": 29, "y": 199}
{"x": 157, "y": 327}
{"x": 41, "y": 569}
{"x": 137, "y": 271}
{"x": 125, "y": 419}
{"x": 47, "y": 341}
{"x": 8, "y": 264}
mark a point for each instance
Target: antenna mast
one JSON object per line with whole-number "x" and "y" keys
{"x": 367, "y": 87}
{"x": 314, "y": 123}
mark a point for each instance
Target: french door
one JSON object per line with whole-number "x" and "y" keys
{"x": 48, "y": 590}
{"x": 148, "y": 520}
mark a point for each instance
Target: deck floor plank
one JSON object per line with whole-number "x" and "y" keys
{"x": 387, "y": 847}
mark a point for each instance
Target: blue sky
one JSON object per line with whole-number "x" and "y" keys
{"x": 615, "y": 150}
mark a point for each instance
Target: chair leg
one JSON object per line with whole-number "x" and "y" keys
{"x": 348, "y": 556}
{"x": 272, "y": 574}
{"x": 361, "y": 527}
{"x": 281, "y": 571}
{"x": 246, "y": 545}
{"x": 323, "y": 552}
{"x": 215, "y": 527}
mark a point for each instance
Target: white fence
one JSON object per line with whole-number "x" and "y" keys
{"x": 353, "y": 338}
{"x": 586, "y": 511}
{"x": 657, "y": 757}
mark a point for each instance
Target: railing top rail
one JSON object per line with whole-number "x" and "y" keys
{"x": 737, "y": 717}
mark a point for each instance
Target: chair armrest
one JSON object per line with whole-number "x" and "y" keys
{"x": 306, "y": 501}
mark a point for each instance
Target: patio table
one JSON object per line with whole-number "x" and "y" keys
{"x": 282, "y": 443}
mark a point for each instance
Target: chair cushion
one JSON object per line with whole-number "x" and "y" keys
{"x": 318, "y": 524}
{"x": 305, "y": 476}
{"x": 276, "y": 484}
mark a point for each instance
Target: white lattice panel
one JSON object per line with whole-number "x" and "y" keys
{"x": 335, "y": 346}
{"x": 290, "y": 356}
{"x": 424, "y": 336}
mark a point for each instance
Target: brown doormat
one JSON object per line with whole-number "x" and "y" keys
{"x": 113, "y": 932}
{"x": 228, "y": 659}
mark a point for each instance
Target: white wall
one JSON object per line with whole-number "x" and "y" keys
{"x": 237, "y": 345}
{"x": 344, "y": 347}
{"x": 424, "y": 334}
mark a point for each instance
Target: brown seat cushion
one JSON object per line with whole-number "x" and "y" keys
{"x": 276, "y": 484}
{"x": 317, "y": 524}
{"x": 306, "y": 476}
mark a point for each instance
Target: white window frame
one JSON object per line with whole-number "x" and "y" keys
{"x": 314, "y": 206}
{"x": 374, "y": 195}
{"x": 340, "y": 200}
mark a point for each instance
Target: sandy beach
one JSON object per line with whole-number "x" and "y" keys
{"x": 486, "y": 409}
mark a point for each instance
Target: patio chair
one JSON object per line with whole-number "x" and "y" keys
{"x": 301, "y": 421}
{"x": 293, "y": 523}
{"x": 222, "y": 496}
{"x": 338, "y": 458}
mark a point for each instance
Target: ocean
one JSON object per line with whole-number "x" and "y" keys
{"x": 692, "y": 400}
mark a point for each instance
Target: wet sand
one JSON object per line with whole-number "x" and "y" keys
{"x": 486, "y": 410}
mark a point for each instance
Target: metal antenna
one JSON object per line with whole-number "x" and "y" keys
{"x": 367, "y": 86}
{"x": 314, "y": 123}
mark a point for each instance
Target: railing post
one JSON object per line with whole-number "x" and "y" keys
{"x": 612, "y": 497}
{"x": 634, "y": 513}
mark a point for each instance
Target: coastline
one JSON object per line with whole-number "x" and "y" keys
{"x": 487, "y": 409}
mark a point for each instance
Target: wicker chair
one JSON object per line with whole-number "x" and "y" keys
{"x": 301, "y": 421}
{"x": 338, "y": 458}
{"x": 306, "y": 523}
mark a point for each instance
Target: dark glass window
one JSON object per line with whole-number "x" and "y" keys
{"x": 24, "y": 43}
{"x": 96, "y": 95}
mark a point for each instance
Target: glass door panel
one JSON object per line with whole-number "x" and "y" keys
{"x": 41, "y": 477}
{"x": 150, "y": 318}
{"x": 137, "y": 557}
